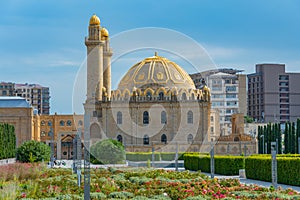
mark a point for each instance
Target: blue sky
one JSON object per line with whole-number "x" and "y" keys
{"x": 43, "y": 41}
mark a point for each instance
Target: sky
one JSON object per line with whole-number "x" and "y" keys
{"x": 43, "y": 41}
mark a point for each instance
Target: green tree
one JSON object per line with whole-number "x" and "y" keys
{"x": 286, "y": 137}
{"x": 248, "y": 119}
{"x": 108, "y": 152}
{"x": 33, "y": 151}
{"x": 297, "y": 135}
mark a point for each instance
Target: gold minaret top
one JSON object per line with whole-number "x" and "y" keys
{"x": 94, "y": 20}
{"x": 104, "y": 32}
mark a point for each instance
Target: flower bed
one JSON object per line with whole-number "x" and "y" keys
{"x": 129, "y": 183}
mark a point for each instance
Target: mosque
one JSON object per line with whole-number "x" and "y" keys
{"x": 156, "y": 102}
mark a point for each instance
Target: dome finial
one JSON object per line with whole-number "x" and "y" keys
{"x": 94, "y": 20}
{"x": 155, "y": 53}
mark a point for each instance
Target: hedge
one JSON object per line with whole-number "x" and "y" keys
{"x": 7, "y": 141}
{"x": 144, "y": 156}
{"x": 288, "y": 169}
{"x": 226, "y": 165}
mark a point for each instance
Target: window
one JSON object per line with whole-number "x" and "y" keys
{"x": 190, "y": 138}
{"x": 43, "y": 133}
{"x": 161, "y": 96}
{"x": 283, "y": 89}
{"x": 119, "y": 117}
{"x": 120, "y": 138}
{"x": 163, "y": 117}
{"x": 49, "y": 133}
{"x": 80, "y": 123}
{"x": 283, "y": 77}
{"x": 149, "y": 94}
{"x": 145, "y": 117}
{"x": 163, "y": 138}
{"x": 43, "y": 123}
{"x": 230, "y": 88}
{"x": 190, "y": 117}
{"x": 211, "y": 118}
{"x": 146, "y": 139}
{"x": 69, "y": 123}
{"x": 211, "y": 129}
{"x": 183, "y": 96}
{"x": 230, "y": 96}
{"x": 49, "y": 123}
{"x": 61, "y": 123}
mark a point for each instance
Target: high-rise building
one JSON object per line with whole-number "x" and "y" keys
{"x": 228, "y": 93}
{"x": 7, "y": 89}
{"x": 37, "y": 95}
{"x": 273, "y": 94}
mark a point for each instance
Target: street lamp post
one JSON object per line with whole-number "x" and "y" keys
{"x": 52, "y": 144}
{"x": 263, "y": 142}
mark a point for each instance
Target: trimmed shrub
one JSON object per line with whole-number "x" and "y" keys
{"x": 33, "y": 151}
{"x": 107, "y": 151}
{"x": 142, "y": 156}
{"x": 288, "y": 169}
{"x": 226, "y": 165}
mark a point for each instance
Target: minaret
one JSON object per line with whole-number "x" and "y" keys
{"x": 106, "y": 62}
{"x": 94, "y": 46}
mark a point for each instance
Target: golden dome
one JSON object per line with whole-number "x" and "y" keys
{"x": 104, "y": 32}
{"x": 94, "y": 20}
{"x": 156, "y": 72}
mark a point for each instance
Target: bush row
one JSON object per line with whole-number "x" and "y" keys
{"x": 7, "y": 141}
{"x": 256, "y": 166}
{"x": 164, "y": 156}
{"x": 226, "y": 165}
{"x": 144, "y": 156}
{"x": 288, "y": 169}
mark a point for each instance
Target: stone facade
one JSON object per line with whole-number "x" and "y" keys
{"x": 156, "y": 101}
{"x": 17, "y": 112}
{"x": 64, "y": 128}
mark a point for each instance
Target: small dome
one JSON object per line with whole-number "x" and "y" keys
{"x": 104, "y": 32}
{"x": 94, "y": 20}
{"x": 155, "y": 72}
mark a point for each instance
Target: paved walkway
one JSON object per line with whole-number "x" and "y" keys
{"x": 255, "y": 182}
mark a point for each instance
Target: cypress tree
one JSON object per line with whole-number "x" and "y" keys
{"x": 259, "y": 139}
{"x": 286, "y": 138}
{"x": 298, "y": 135}
{"x": 279, "y": 137}
{"x": 293, "y": 139}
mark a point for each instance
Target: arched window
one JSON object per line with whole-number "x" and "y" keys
{"x": 183, "y": 97}
{"x": 193, "y": 96}
{"x": 190, "y": 117}
{"x": 43, "y": 133}
{"x": 146, "y": 139}
{"x": 145, "y": 117}
{"x": 50, "y": 133}
{"x": 161, "y": 96}
{"x": 62, "y": 123}
{"x": 149, "y": 94}
{"x": 119, "y": 117}
{"x": 80, "y": 123}
{"x": 69, "y": 123}
{"x": 163, "y": 138}
{"x": 43, "y": 123}
{"x": 95, "y": 131}
{"x": 49, "y": 123}
{"x": 120, "y": 138}
{"x": 190, "y": 138}
{"x": 163, "y": 117}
